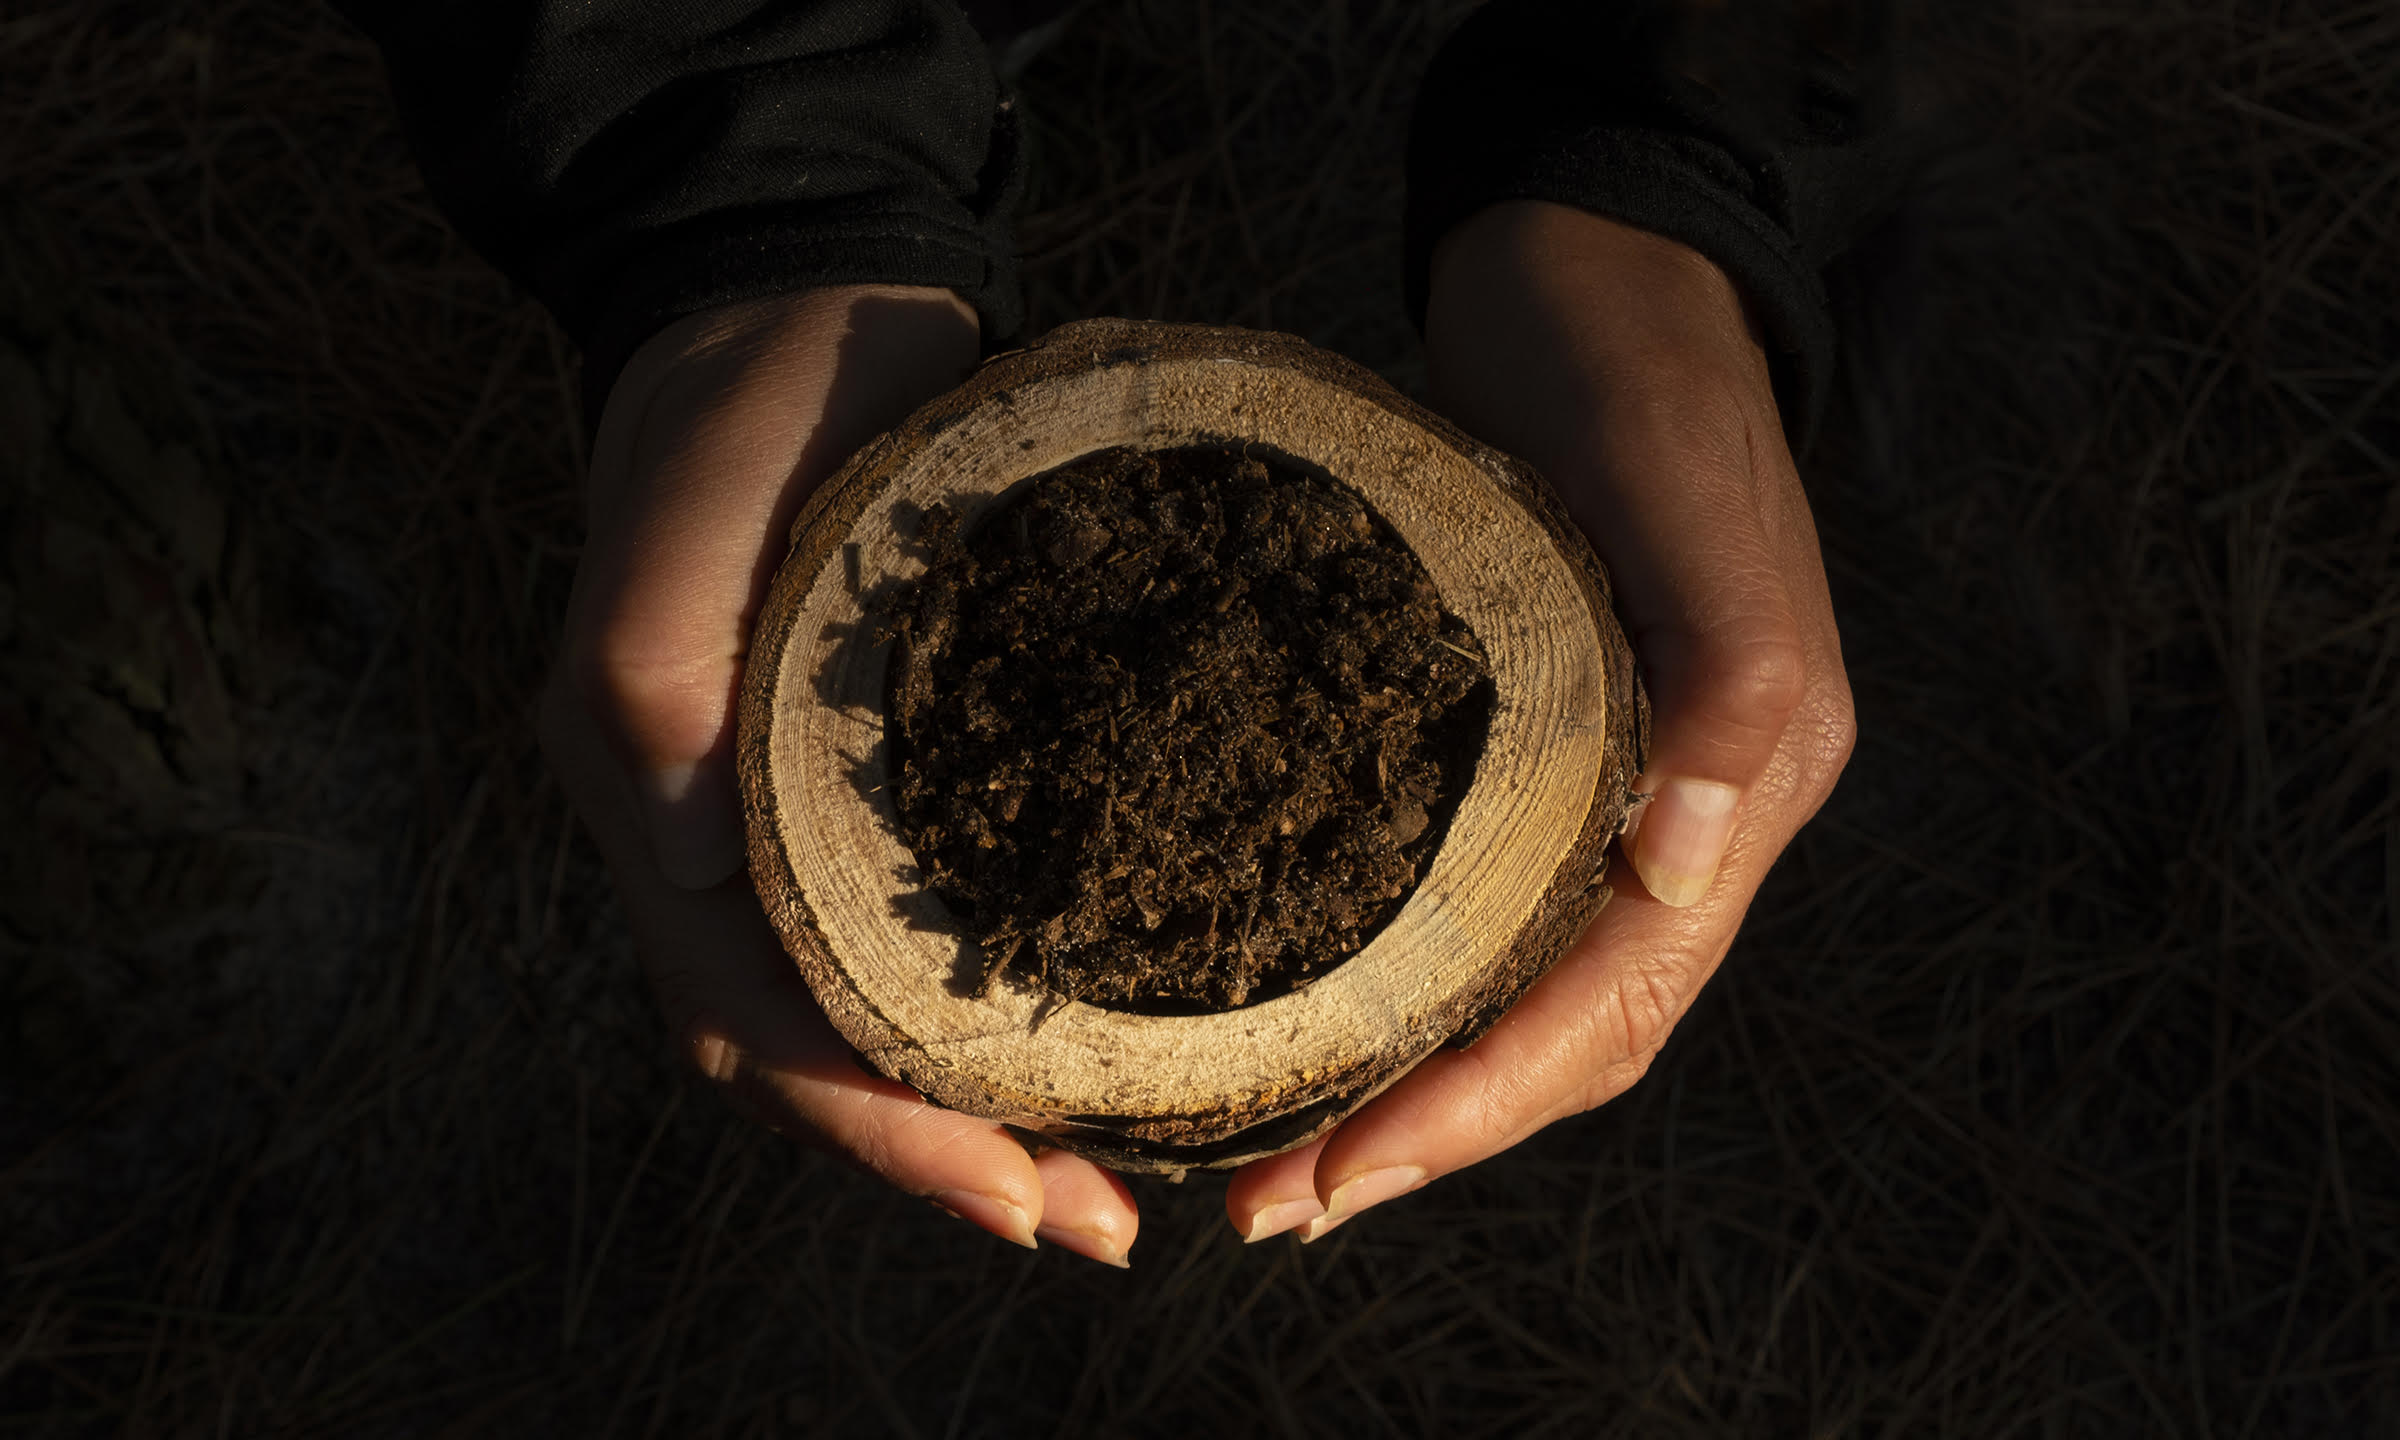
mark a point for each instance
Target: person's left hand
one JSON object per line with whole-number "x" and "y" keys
{"x": 1623, "y": 366}
{"x": 716, "y": 432}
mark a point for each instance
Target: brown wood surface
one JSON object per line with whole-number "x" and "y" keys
{"x": 1515, "y": 881}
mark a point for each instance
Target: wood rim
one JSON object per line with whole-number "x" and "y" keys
{"x": 1513, "y": 884}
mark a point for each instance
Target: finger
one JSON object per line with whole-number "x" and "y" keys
{"x": 1579, "y": 1038}
{"x": 710, "y": 442}
{"x": 1267, "y": 1197}
{"x": 743, "y": 1017}
{"x": 1086, "y": 1209}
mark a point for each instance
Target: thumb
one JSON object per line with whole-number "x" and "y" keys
{"x": 1687, "y": 490}
{"x": 1726, "y": 676}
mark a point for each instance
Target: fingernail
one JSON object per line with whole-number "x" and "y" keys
{"x": 695, "y": 826}
{"x": 986, "y": 1212}
{"x": 1362, "y": 1191}
{"x": 1273, "y": 1220}
{"x": 1682, "y": 838}
{"x": 1090, "y": 1244}
{"x": 712, "y": 1054}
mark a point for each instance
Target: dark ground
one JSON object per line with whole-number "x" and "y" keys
{"x": 2052, "y": 1092}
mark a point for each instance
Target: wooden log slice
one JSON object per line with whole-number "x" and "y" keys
{"x": 1514, "y": 882}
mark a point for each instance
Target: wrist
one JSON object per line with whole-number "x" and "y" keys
{"x": 790, "y": 344}
{"x": 1618, "y": 278}
{"x": 1546, "y": 325}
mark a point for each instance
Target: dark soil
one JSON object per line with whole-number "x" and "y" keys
{"x": 1178, "y": 730}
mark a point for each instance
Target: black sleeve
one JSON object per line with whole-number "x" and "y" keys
{"x": 631, "y": 162}
{"x": 1733, "y": 132}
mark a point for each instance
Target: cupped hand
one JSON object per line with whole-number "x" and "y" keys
{"x": 711, "y": 439}
{"x": 1624, "y": 367}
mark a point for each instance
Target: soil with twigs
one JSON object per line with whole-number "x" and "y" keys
{"x": 1178, "y": 730}
{"x": 2049, "y": 1090}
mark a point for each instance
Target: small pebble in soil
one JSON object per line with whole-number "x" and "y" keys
{"x": 1178, "y": 730}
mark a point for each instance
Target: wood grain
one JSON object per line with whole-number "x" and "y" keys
{"x": 1515, "y": 880}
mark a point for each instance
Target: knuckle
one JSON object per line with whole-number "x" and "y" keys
{"x": 1647, "y": 1006}
{"x": 1610, "y": 1082}
{"x": 874, "y": 1147}
{"x": 1758, "y": 680}
{"x": 664, "y": 698}
{"x": 1502, "y": 1099}
{"x": 608, "y": 673}
{"x": 1588, "y": 1092}
{"x": 895, "y": 1142}
{"x": 1837, "y": 727}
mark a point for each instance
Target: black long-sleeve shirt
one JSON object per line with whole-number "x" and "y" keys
{"x": 631, "y": 162}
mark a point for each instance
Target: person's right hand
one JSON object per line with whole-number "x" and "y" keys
{"x": 1626, "y": 368}
{"x": 713, "y": 436}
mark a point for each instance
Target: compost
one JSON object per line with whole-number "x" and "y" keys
{"x": 1177, "y": 731}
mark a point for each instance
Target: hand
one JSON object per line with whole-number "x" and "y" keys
{"x": 717, "y": 430}
{"x": 1623, "y": 367}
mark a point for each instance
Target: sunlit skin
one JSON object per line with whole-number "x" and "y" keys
{"x": 1622, "y": 365}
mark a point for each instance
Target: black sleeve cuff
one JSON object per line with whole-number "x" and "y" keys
{"x": 1585, "y": 104}
{"x": 631, "y": 163}
{"x": 724, "y": 258}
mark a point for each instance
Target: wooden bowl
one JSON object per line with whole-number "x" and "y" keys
{"x": 1516, "y": 879}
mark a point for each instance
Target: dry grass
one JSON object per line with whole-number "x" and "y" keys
{"x": 2052, "y": 1092}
